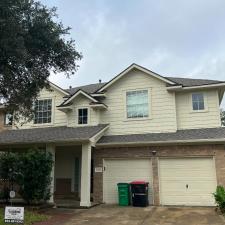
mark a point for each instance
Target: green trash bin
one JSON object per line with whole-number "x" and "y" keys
{"x": 124, "y": 194}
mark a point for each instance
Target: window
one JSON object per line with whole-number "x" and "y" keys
{"x": 198, "y": 101}
{"x": 137, "y": 104}
{"x": 83, "y": 116}
{"x": 8, "y": 119}
{"x": 43, "y": 111}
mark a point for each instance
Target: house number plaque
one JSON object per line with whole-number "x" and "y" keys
{"x": 98, "y": 170}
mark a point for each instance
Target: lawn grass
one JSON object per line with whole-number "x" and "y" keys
{"x": 29, "y": 218}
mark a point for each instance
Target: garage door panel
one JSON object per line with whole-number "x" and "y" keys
{"x": 198, "y": 173}
{"x": 124, "y": 170}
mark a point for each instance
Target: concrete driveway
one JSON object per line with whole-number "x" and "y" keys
{"x": 115, "y": 215}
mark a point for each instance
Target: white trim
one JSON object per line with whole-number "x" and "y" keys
{"x": 64, "y": 109}
{"x": 76, "y": 94}
{"x": 181, "y": 88}
{"x": 131, "y": 67}
{"x": 98, "y": 95}
{"x": 99, "y": 105}
{"x": 174, "y": 88}
{"x": 205, "y": 86}
{"x": 52, "y": 115}
{"x": 219, "y": 140}
{"x": 88, "y": 116}
{"x": 149, "y": 104}
{"x": 58, "y": 88}
{"x": 205, "y": 98}
{"x": 97, "y": 136}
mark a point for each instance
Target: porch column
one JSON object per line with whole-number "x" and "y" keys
{"x": 85, "y": 176}
{"x": 51, "y": 148}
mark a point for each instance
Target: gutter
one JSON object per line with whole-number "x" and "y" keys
{"x": 180, "y": 142}
{"x": 180, "y": 87}
{"x": 70, "y": 140}
{"x": 97, "y": 136}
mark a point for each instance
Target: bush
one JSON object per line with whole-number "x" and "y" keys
{"x": 219, "y": 196}
{"x": 8, "y": 166}
{"x": 34, "y": 175}
{"x": 31, "y": 170}
{"x": 4, "y": 194}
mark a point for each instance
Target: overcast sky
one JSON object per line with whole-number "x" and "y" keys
{"x": 172, "y": 38}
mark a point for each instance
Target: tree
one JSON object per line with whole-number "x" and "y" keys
{"x": 32, "y": 44}
{"x": 222, "y": 115}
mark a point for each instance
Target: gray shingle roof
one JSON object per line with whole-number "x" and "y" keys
{"x": 180, "y": 135}
{"x": 49, "y": 135}
{"x": 91, "y": 88}
{"x": 189, "y": 82}
{"x": 186, "y": 82}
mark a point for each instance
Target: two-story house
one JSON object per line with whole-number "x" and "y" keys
{"x": 138, "y": 126}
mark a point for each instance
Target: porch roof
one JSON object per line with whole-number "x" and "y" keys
{"x": 50, "y": 134}
{"x": 205, "y": 135}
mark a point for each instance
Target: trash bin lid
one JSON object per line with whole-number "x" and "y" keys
{"x": 122, "y": 184}
{"x": 139, "y": 182}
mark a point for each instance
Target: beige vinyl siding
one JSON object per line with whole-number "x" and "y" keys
{"x": 82, "y": 102}
{"x": 58, "y": 118}
{"x": 162, "y": 116}
{"x": 188, "y": 119}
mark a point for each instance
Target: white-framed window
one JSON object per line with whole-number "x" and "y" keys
{"x": 198, "y": 103}
{"x": 83, "y": 116}
{"x": 8, "y": 119}
{"x": 43, "y": 111}
{"x": 137, "y": 104}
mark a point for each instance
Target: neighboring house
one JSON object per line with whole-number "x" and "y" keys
{"x": 139, "y": 125}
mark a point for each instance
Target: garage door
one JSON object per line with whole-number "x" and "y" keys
{"x": 124, "y": 170}
{"x": 187, "y": 181}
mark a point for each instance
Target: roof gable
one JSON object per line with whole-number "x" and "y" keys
{"x": 79, "y": 92}
{"x": 128, "y": 69}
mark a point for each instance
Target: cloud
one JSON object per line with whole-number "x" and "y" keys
{"x": 175, "y": 38}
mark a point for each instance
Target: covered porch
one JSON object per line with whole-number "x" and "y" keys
{"x": 71, "y": 149}
{"x": 71, "y": 174}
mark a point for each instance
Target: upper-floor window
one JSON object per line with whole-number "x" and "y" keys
{"x": 198, "y": 101}
{"x": 8, "y": 119}
{"x": 83, "y": 116}
{"x": 137, "y": 104}
{"x": 43, "y": 111}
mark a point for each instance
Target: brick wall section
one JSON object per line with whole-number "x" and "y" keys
{"x": 218, "y": 151}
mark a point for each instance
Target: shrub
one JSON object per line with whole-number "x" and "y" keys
{"x": 31, "y": 170}
{"x": 8, "y": 166}
{"x": 34, "y": 175}
{"x": 219, "y": 196}
{"x": 4, "y": 194}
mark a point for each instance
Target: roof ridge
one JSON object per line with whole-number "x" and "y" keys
{"x": 85, "y": 85}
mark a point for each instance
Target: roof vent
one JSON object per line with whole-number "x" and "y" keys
{"x": 100, "y": 81}
{"x": 70, "y": 87}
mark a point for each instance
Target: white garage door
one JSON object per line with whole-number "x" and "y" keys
{"x": 187, "y": 181}
{"x": 124, "y": 170}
